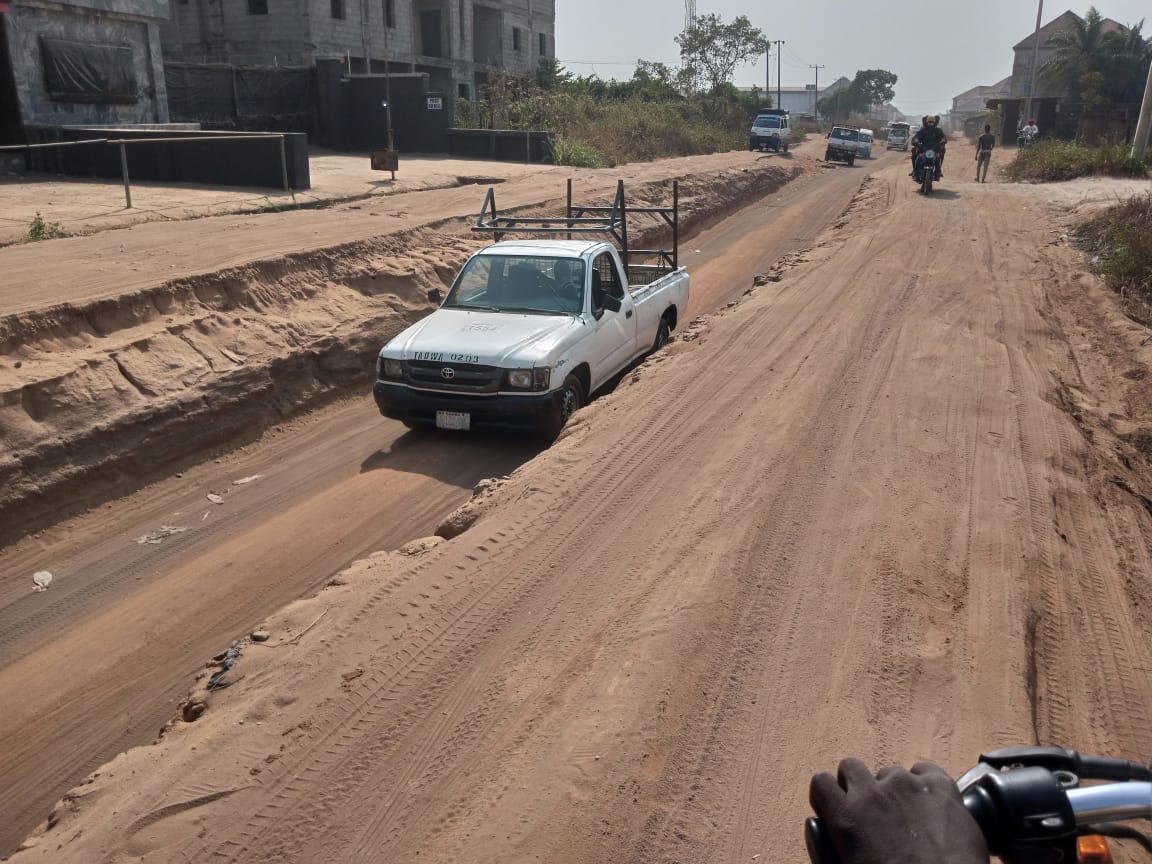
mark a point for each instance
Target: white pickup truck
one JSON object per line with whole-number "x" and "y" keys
{"x": 528, "y": 332}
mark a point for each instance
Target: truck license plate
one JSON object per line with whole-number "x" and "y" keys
{"x": 453, "y": 420}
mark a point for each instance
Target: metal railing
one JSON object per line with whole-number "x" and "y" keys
{"x": 123, "y": 142}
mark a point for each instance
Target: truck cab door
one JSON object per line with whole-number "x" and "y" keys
{"x": 614, "y": 320}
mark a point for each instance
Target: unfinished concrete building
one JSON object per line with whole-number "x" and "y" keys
{"x": 80, "y": 62}
{"x": 456, "y": 42}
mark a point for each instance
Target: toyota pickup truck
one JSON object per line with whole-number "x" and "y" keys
{"x": 532, "y": 328}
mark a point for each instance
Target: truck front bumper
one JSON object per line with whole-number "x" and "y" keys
{"x": 419, "y": 407}
{"x": 763, "y": 142}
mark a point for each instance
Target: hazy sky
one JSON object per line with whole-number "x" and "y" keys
{"x": 937, "y": 49}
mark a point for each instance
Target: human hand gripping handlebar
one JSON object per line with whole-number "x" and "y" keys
{"x": 1023, "y": 804}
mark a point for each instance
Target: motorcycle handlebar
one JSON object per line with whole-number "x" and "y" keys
{"x": 996, "y": 804}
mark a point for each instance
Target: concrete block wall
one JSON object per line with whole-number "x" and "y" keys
{"x": 531, "y": 18}
{"x": 131, "y": 23}
{"x": 225, "y": 32}
{"x": 297, "y": 31}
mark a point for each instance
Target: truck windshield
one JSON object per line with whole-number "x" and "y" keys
{"x": 516, "y": 283}
{"x": 767, "y": 123}
{"x": 846, "y": 134}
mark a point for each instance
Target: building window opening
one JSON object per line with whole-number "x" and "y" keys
{"x": 390, "y": 14}
{"x": 337, "y": 8}
{"x": 516, "y": 39}
{"x": 257, "y": 7}
{"x": 543, "y": 45}
{"x": 430, "y": 33}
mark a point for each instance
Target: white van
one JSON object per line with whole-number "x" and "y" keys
{"x": 770, "y": 131}
{"x": 864, "y": 145}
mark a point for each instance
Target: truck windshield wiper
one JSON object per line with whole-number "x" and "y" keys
{"x": 475, "y": 308}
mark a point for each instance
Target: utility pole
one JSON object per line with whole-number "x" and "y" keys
{"x": 1144, "y": 124}
{"x": 388, "y": 88}
{"x": 816, "y": 92}
{"x": 1035, "y": 61}
{"x": 768, "y": 70}
{"x": 779, "y": 103}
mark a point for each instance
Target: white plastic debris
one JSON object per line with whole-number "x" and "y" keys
{"x": 159, "y": 535}
{"x": 215, "y": 499}
{"x": 245, "y": 480}
{"x": 43, "y": 579}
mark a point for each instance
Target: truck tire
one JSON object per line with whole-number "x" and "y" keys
{"x": 785, "y": 147}
{"x": 663, "y": 334}
{"x": 827, "y": 155}
{"x": 851, "y": 161}
{"x": 569, "y": 400}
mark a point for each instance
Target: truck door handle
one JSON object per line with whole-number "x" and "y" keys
{"x": 628, "y": 314}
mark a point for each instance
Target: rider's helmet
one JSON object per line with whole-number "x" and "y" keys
{"x": 1031, "y": 121}
{"x": 931, "y": 120}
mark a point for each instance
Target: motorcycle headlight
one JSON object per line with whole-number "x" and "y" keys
{"x": 391, "y": 368}
{"x": 929, "y": 154}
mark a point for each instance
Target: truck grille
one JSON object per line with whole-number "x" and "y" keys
{"x": 453, "y": 377}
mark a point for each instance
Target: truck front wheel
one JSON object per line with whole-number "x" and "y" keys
{"x": 569, "y": 400}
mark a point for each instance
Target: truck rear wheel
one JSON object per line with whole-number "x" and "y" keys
{"x": 569, "y": 400}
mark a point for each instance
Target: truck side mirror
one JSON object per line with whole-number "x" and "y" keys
{"x": 435, "y": 296}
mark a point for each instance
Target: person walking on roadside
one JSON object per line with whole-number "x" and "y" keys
{"x": 984, "y": 154}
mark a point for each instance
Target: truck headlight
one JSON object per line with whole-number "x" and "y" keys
{"x": 530, "y": 379}
{"x": 391, "y": 368}
{"x": 520, "y": 379}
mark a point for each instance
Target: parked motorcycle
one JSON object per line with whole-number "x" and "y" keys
{"x": 1032, "y": 808}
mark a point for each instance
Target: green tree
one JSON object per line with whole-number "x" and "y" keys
{"x": 869, "y": 88}
{"x": 711, "y": 49}
{"x": 1129, "y": 55}
{"x": 1094, "y": 65}
{"x": 550, "y": 75}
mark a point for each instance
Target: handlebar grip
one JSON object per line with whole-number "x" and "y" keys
{"x": 821, "y": 850}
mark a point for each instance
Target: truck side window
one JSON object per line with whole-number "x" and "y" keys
{"x": 609, "y": 278}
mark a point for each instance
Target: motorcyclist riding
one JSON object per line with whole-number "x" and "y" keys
{"x": 1030, "y": 131}
{"x": 930, "y": 137}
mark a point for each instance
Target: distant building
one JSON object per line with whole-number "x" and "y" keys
{"x": 800, "y": 101}
{"x": 1044, "y": 100}
{"x": 80, "y": 62}
{"x": 975, "y": 101}
{"x": 455, "y": 42}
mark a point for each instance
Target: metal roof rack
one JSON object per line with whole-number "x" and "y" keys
{"x": 589, "y": 219}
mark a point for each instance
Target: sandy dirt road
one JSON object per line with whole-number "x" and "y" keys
{"x": 872, "y": 510}
{"x": 104, "y": 656}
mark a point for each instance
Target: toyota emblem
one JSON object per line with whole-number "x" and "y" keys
{"x": 447, "y": 373}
